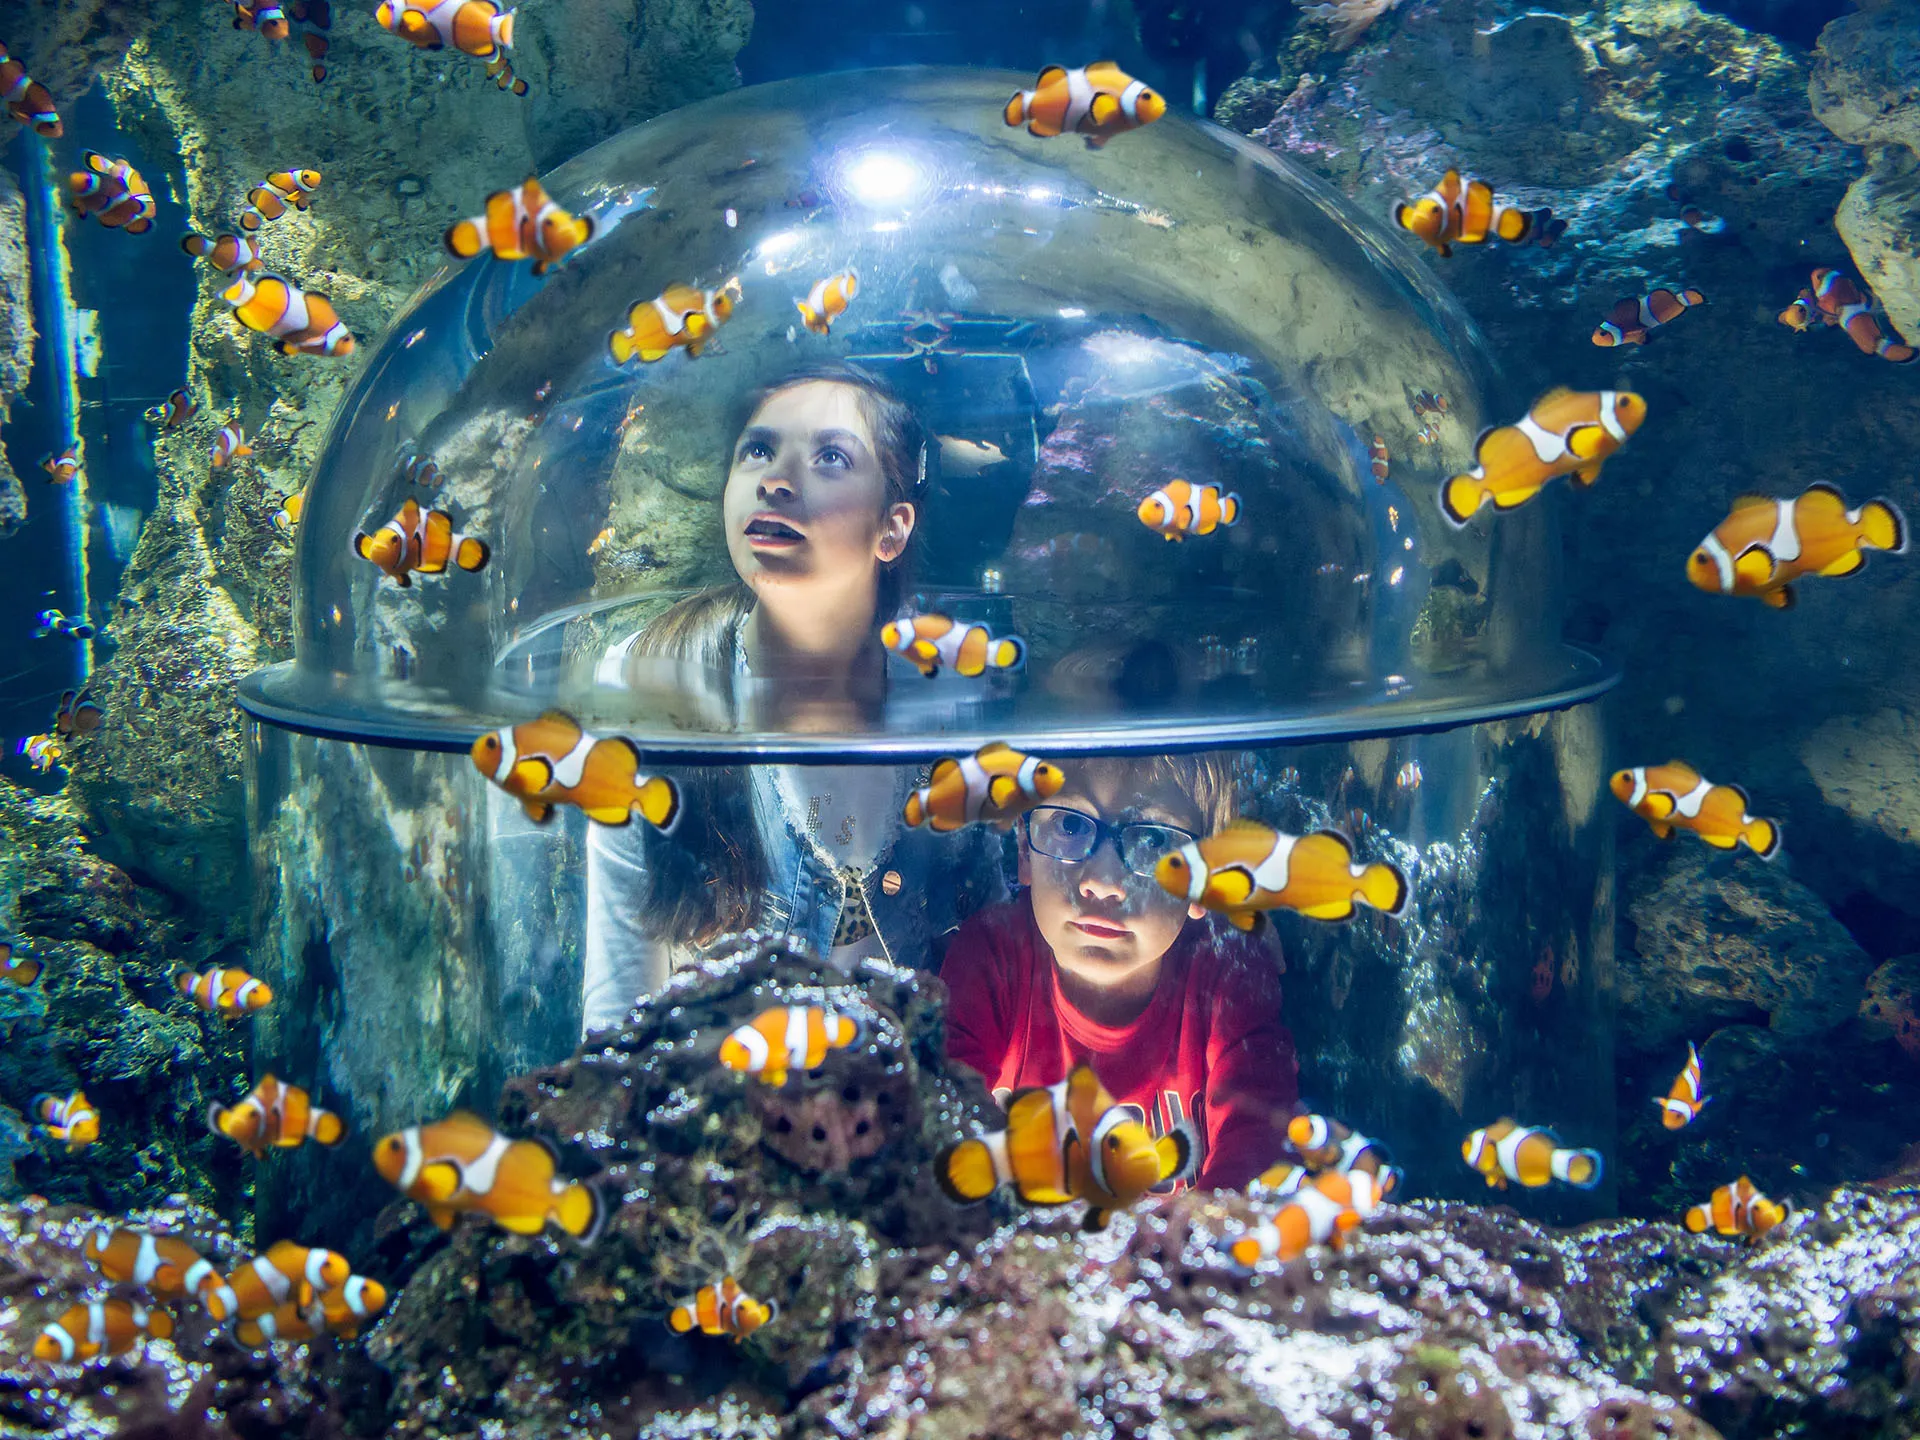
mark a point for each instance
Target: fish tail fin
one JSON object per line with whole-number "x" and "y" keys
{"x": 1581, "y": 1169}
{"x": 1384, "y": 887}
{"x": 965, "y": 1171}
{"x": 195, "y": 244}
{"x": 215, "y": 1113}
{"x": 1883, "y": 527}
{"x": 622, "y": 345}
{"x": 501, "y": 29}
{"x": 463, "y": 238}
{"x": 1179, "y": 1151}
{"x": 1016, "y": 110}
{"x": 328, "y": 1128}
{"x": 1009, "y": 653}
{"x": 1460, "y": 497}
{"x": 659, "y": 802}
{"x": 1762, "y": 837}
{"x": 582, "y": 1212}
{"x": 471, "y": 554}
{"x": 1229, "y": 509}
{"x": 1513, "y": 225}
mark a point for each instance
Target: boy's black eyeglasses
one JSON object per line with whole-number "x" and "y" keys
{"x": 1060, "y": 833}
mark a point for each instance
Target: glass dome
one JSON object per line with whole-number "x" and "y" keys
{"x": 1080, "y": 327}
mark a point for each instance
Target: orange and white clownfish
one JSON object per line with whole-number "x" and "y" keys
{"x": 74, "y": 716}
{"x": 1328, "y": 1145}
{"x": 72, "y": 1120}
{"x": 1567, "y": 432}
{"x": 1179, "y": 509}
{"x": 521, "y": 224}
{"x": 552, "y": 761}
{"x": 275, "y": 1115}
{"x": 224, "y": 253}
{"x": 785, "y": 1038}
{"x": 462, "y": 1163}
{"x": 931, "y": 641}
{"x": 26, "y": 99}
{"x": 1248, "y": 868}
{"x": 62, "y": 468}
{"x": 1283, "y": 1178}
{"x": 176, "y": 410}
{"x": 1674, "y": 796}
{"x": 112, "y": 192}
{"x": 228, "y": 446}
{"x": 1098, "y": 101}
{"x": 100, "y": 1327}
{"x": 344, "y": 1306}
{"x": 721, "y": 1308}
{"x": 1066, "y": 1142}
{"x": 1845, "y": 304}
{"x": 301, "y": 322}
{"x": 43, "y": 752}
{"x": 1737, "y": 1209}
{"x": 422, "y": 540}
{"x": 315, "y": 19}
{"x": 1509, "y": 1151}
{"x": 228, "y": 993}
{"x": 288, "y": 1272}
{"x": 288, "y": 1321}
{"x": 473, "y": 27}
{"x": 680, "y": 317}
{"x": 269, "y": 18}
{"x": 1630, "y": 320}
{"x": 16, "y": 968}
{"x": 281, "y": 191}
{"x": 1765, "y": 545}
{"x": 995, "y": 784}
{"x": 1377, "y": 460}
{"x": 1463, "y": 212}
{"x": 1681, "y": 1105}
{"x": 827, "y": 301}
{"x": 167, "y": 1266}
{"x": 1322, "y": 1211}
{"x": 1803, "y": 314}
{"x": 500, "y": 71}
{"x": 287, "y": 518}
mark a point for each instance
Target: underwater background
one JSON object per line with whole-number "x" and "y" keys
{"x": 1731, "y": 149}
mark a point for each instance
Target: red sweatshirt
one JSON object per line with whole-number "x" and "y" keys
{"x": 1209, "y": 1047}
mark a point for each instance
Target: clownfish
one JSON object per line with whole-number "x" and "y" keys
{"x": 74, "y": 716}
{"x": 268, "y": 18}
{"x": 552, "y": 761}
{"x": 462, "y": 1163}
{"x": 176, "y": 410}
{"x": 224, "y": 253}
{"x": 343, "y": 1307}
{"x": 1282, "y": 1179}
{"x": 228, "y": 446}
{"x": 931, "y": 641}
{"x": 1630, "y": 320}
{"x": 229, "y": 994}
{"x": 1328, "y": 1145}
{"x": 73, "y": 1120}
{"x": 1178, "y": 509}
{"x": 288, "y": 1272}
{"x": 287, "y": 518}
{"x": 1429, "y": 402}
{"x": 1098, "y": 101}
{"x": 1567, "y": 432}
{"x": 1377, "y": 460}
{"x": 165, "y": 1265}
{"x": 52, "y": 622}
{"x": 275, "y": 1115}
{"x": 1682, "y": 1105}
{"x": 1765, "y": 545}
{"x": 1845, "y": 304}
{"x": 273, "y": 197}
{"x": 1321, "y": 1212}
{"x": 301, "y": 322}
{"x": 1066, "y": 1142}
{"x": 62, "y": 468}
{"x": 1463, "y": 212}
{"x": 1674, "y": 796}
{"x": 421, "y": 471}
{"x": 1737, "y": 1209}
{"x": 787, "y": 1037}
{"x": 500, "y": 71}
{"x": 43, "y": 752}
{"x": 827, "y": 301}
{"x": 112, "y": 192}
{"x": 19, "y": 971}
{"x": 26, "y": 99}
{"x": 1802, "y": 314}
{"x": 315, "y": 19}
{"x": 473, "y": 27}
{"x": 422, "y": 540}
{"x": 680, "y": 317}
{"x": 995, "y": 784}
{"x": 101, "y": 1327}
{"x": 1707, "y": 223}
{"x": 721, "y": 1308}
{"x": 1248, "y": 868}
{"x": 1506, "y": 1151}
{"x": 338, "y": 1311}
{"x": 521, "y": 224}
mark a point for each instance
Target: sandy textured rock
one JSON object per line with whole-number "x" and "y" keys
{"x": 16, "y": 338}
{"x": 1868, "y": 766}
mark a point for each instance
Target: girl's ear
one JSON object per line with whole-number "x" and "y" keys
{"x": 1196, "y": 912}
{"x": 896, "y": 528}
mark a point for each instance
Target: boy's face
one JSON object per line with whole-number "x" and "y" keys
{"x": 1103, "y": 923}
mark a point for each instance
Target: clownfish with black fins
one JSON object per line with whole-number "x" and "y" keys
{"x": 27, "y": 100}
{"x": 786, "y": 1038}
{"x": 228, "y": 446}
{"x": 679, "y": 318}
{"x": 1737, "y": 1209}
{"x": 1803, "y": 314}
{"x": 1249, "y": 868}
{"x": 63, "y": 467}
{"x": 113, "y": 193}
{"x": 996, "y": 785}
{"x": 1629, "y": 322}
{"x": 1179, "y": 509}
{"x": 473, "y": 27}
{"x": 500, "y": 71}
{"x": 1098, "y": 101}
{"x": 1845, "y": 304}
{"x": 164, "y": 1265}
{"x": 1066, "y": 1142}
{"x": 933, "y": 641}
{"x": 176, "y": 410}
{"x": 281, "y": 191}
{"x": 552, "y": 761}
{"x": 17, "y": 969}
{"x": 301, "y": 322}
{"x": 315, "y": 19}
{"x": 265, "y": 16}
{"x": 462, "y": 1163}
{"x": 1463, "y": 212}
{"x": 1682, "y": 1105}
{"x": 520, "y": 224}
{"x": 274, "y": 1115}
{"x": 43, "y": 752}
{"x": 827, "y": 301}
{"x": 721, "y": 1308}
{"x": 224, "y": 253}
{"x": 1323, "y": 1210}
{"x": 228, "y": 993}
{"x": 1326, "y": 1144}
{"x": 422, "y": 540}
{"x": 1674, "y": 796}
{"x": 1509, "y": 1151}
{"x": 1377, "y": 460}
{"x": 288, "y": 1272}
{"x": 1567, "y": 432}
{"x": 100, "y": 1327}
{"x": 339, "y": 1310}
{"x": 74, "y": 716}
{"x": 286, "y": 520}
{"x": 1765, "y": 544}
{"x": 73, "y": 1121}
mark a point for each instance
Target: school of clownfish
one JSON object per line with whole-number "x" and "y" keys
{"x": 1065, "y": 1143}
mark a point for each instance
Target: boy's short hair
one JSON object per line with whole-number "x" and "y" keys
{"x": 1208, "y": 778}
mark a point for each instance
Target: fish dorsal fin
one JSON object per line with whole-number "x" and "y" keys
{"x": 1558, "y": 392}
{"x": 1820, "y": 496}
{"x": 560, "y": 717}
{"x": 1745, "y": 802}
{"x": 1032, "y": 1106}
{"x": 1241, "y": 825}
{"x": 1052, "y": 75}
{"x": 1084, "y": 1088}
{"x": 996, "y": 749}
{"x": 1752, "y": 502}
{"x": 946, "y": 767}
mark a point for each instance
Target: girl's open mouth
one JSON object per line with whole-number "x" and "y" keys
{"x": 1099, "y": 929}
{"x": 771, "y": 532}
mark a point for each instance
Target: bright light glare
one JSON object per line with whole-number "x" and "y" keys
{"x": 778, "y": 244}
{"x": 1072, "y": 312}
{"x": 883, "y": 177}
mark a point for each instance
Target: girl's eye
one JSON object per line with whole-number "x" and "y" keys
{"x": 837, "y": 458}
{"x": 756, "y": 450}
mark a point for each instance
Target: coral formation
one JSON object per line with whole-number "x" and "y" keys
{"x": 16, "y": 338}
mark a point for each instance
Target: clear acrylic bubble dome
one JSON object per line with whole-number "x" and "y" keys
{"x": 1080, "y": 328}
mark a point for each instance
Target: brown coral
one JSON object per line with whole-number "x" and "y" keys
{"x": 1348, "y": 20}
